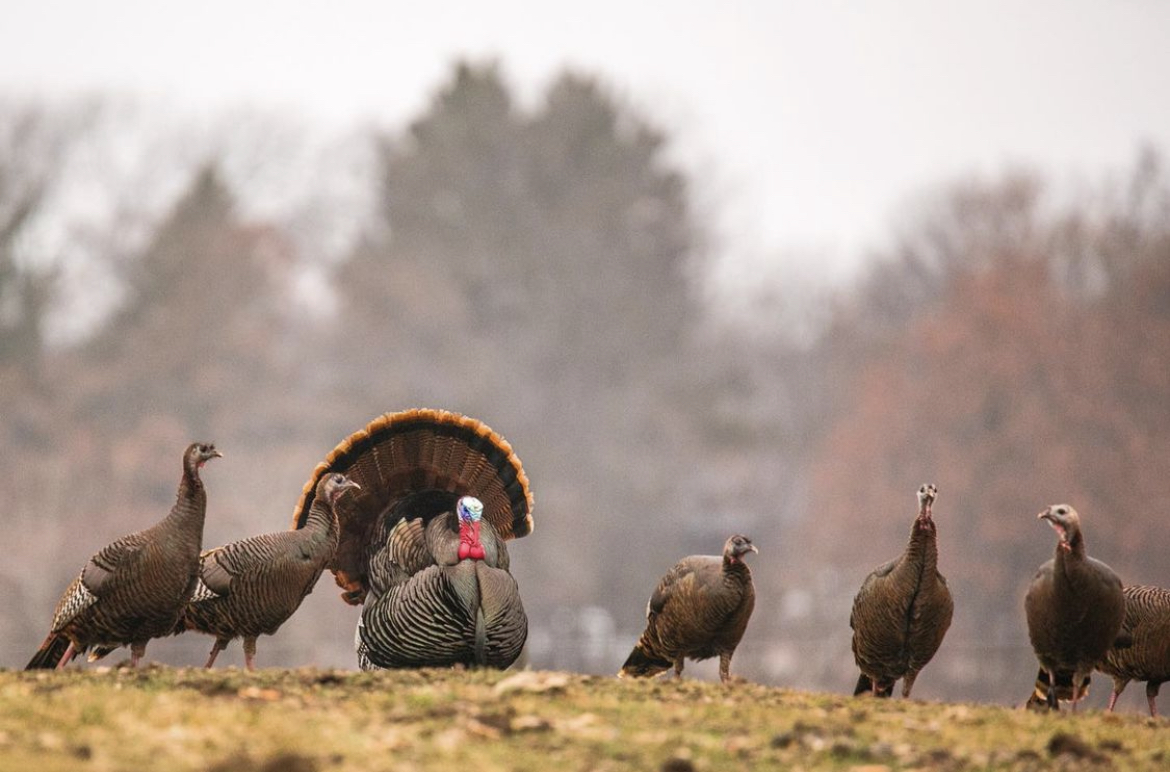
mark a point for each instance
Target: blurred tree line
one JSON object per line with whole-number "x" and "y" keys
{"x": 542, "y": 269}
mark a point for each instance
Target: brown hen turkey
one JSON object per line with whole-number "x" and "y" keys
{"x": 1144, "y": 654}
{"x": 902, "y": 611}
{"x": 251, "y": 587}
{"x": 1075, "y": 608}
{"x": 699, "y": 610}
{"x": 135, "y": 588}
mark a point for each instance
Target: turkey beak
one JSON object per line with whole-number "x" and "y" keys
{"x": 216, "y": 454}
{"x": 351, "y": 484}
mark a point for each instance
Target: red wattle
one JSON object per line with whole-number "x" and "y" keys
{"x": 469, "y": 544}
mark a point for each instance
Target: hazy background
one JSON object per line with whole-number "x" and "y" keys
{"x": 732, "y": 267}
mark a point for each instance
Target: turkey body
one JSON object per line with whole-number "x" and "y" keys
{"x": 251, "y": 587}
{"x": 902, "y": 611}
{"x": 700, "y": 609}
{"x": 134, "y": 588}
{"x": 428, "y": 608}
{"x": 422, "y": 545}
{"x": 1147, "y": 657}
{"x": 1074, "y": 606}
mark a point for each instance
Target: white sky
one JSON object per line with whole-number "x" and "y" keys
{"x": 809, "y": 122}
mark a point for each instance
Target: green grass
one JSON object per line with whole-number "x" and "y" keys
{"x": 304, "y": 720}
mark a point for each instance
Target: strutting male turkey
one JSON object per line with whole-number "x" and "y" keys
{"x": 700, "y": 609}
{"x": 902, "y": 611}
{"x": 422, "y": 544}
{"x": 134, "y": 589}
{"x": 251, "y": 587}
{"x": 1075, "y": 608}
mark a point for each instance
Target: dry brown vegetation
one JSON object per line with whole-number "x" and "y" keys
{"x": 302, "y": 720}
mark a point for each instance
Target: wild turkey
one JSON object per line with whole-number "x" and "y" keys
{"x": 250, "y": 587}
{"x": 1075, "y": 607}
{"x": 1147, "y": 657}
{"x": 902, "y": 611}
{"x": 422, "y": 544}
{"x": 134, "y": 589}
{"x": 700, "y": 609}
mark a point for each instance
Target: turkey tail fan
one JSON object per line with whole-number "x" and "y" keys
{"x": 412, "y": 451}
{"x": 50, "y": 653}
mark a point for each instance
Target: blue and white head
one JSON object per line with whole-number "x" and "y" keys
{"x": 469, "y": 509}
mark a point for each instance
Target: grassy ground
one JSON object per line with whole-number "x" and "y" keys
{"x": 306, "y": 720}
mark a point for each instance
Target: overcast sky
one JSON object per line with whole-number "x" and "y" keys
{"x": 810, "y": 121}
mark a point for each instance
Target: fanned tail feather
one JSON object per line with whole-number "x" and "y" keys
{"x": 50, "y": 653}
{"x": 416, "y": 450}
{"x": 413, "y": 452}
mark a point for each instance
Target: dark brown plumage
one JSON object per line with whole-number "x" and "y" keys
{"x": 422, "y": 545}
{"x": 1145, "y": 652}
{"x": 902, "y": 611}
{"x": 699, "y": 610}
{"x": 1075, "y": 607}
{"x": 134, "y": 589}
{"x": 251, "y": 587}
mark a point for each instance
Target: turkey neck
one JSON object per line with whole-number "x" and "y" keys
{"x": 321, "y": 524}
{"x": 190, "y": 507}
{"x": 1071, "y": 560}
{"x": 922, "y": 550}
{"x": 735, "y": 568}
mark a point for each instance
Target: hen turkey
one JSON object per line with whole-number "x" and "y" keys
{"x": 700, "y": 609}
{"x": 134, "y": 588}
{"x": 1144, "y": 651}
{"x": 1075, "y": 607}
{"x": 902, "y": 611}
{"x": 251, "y": 587}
